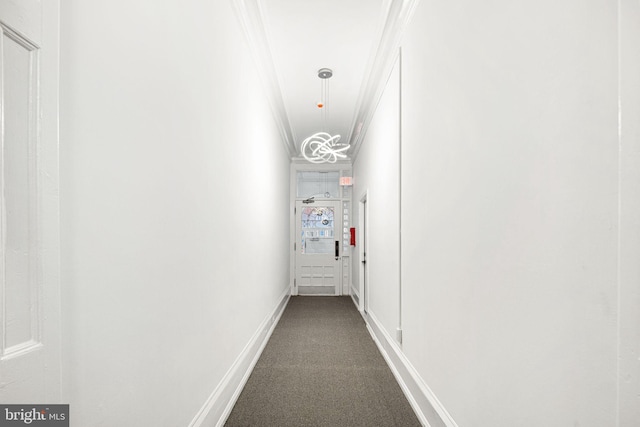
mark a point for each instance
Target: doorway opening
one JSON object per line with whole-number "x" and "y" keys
{"x": 320, "y": 229}
{"x": 362, "y": 220}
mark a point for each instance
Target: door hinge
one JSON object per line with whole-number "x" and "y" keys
{"x": 294, "y": 246}
{"x": 295, "y": 210}
{"x": 294, "y": 283}
{"x": 399, "y": 335}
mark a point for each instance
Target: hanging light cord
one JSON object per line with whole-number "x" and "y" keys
{"x": 324, "y": 93}
{"x": 321, "y": 147}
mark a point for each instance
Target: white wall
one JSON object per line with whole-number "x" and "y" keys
{"x": 510, "y": 210}
{"x": 174, "y": 207}
{"x": 375, "y": 172}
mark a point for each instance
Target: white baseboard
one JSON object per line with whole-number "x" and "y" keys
{"x": 218, "y": 406}
{"x": 355, "y": 296}
{"x": 425, "y": 404}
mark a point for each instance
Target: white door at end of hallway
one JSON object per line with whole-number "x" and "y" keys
{"x": 317, "y": 248}
{"x": 363, "y": 254}
{"x": 29, "y": 219}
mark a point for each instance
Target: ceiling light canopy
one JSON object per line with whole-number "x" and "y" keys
{"x": 321, "y": 147}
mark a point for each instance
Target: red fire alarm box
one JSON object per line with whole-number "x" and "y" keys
{"x": 352, "y": 230}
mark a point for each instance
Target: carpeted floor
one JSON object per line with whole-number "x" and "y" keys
{"x": 321, "y": 368}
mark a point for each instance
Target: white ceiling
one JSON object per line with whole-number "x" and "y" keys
{"x": 306, "y": 35}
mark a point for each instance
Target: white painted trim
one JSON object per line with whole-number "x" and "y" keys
{"x": 249, "y": 13}
{"x": 21, "y": 349}
{"x": 397, "y": 18}
{"x": 399, "y": 64}
{"x": 424, "y": 402}
{"x": 218, "y": 406}
{"x": 355, "y": 296}
{"x": 303, "y": 164}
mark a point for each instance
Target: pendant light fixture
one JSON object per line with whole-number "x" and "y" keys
{"x": 321, "y": 147}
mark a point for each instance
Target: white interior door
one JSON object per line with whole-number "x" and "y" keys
{"x": 318, "y": 236}
{"x": 29, "y": 242}
{"x": 363, "y": 254}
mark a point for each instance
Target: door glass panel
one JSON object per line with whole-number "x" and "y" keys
{"x": 317, "y": 230}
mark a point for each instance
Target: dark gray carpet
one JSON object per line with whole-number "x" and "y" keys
{"x": 321, "y": 368}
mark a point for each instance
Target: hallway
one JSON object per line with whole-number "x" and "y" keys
{"x": 321, "y": 368}
{"x": 158, "y": 212}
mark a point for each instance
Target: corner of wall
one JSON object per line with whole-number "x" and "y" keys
{"x": 218, "y": 406}
{"x": 424, "y": 402}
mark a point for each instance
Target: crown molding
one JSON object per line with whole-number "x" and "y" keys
{"x": 251, "y": 19}
{"x": 398, "y": 15}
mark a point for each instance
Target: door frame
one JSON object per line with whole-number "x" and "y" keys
{"x": 337, "y": 205}
{"x": 362, "y": 252}
{"x": 301, "y": 165}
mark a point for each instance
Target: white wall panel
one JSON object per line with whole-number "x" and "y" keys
{"x": 175, "y": 207}
{"x": 629, "y": 279}
{"x": 376, "y": 173}
{"x": 19, "y": 222}
{"x": 510, "y": 205}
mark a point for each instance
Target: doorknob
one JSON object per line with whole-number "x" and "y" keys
{"x": 337, "y": 250}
